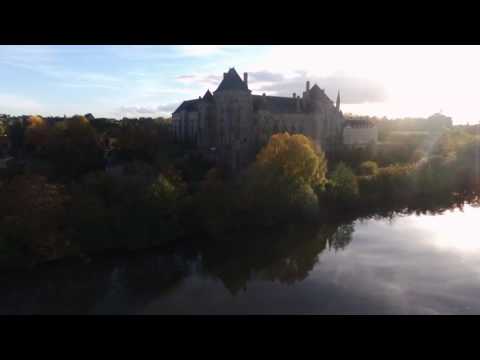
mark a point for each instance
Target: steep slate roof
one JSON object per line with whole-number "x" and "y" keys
{"x": 188, "y": 105}
{"x": 232, "y": 81}
{"x": 315, "y": 91}
{"x": 275, "y": 104}
{"x": 208, "y": 96}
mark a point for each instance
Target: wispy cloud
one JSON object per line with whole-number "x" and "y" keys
{"x": 45, "y": 61}
{"x": 136, "y": 111}
{"x": 18, "y": 104}
{"x": 354, "y": 90}
{"x": 200, "y": 80}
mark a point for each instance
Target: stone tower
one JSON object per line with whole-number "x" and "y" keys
{"x": 234, "y": 108}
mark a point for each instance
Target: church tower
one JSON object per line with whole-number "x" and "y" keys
{"x": 234, "y": 118}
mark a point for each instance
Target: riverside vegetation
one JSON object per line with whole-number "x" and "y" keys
{"x": 78, "y": 187}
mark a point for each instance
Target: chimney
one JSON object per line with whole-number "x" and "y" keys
{"x": 308, "y": 86}
{"x": 294, "y": 95}
{"x": 245, "y": 78}
{"x": 224, "y": 75}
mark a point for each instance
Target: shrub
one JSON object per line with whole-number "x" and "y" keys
{"x": 368, "y": 168}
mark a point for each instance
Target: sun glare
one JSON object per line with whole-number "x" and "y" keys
{"x": 454, "y": 230}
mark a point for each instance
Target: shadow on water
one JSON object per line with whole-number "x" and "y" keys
{"x": 123, "y": 284}
{"x": 126, "y": 283}
{"x": 118, "y": 284}
{"x": 286, "y": 256}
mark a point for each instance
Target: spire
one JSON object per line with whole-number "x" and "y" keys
{"x": 337, "y": 105}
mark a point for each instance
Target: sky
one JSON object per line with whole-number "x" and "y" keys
{"x": 143, "y": 81}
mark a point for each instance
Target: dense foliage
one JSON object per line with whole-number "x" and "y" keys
{"x": 82, "y": 185}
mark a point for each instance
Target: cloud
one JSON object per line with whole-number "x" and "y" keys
{"x": 149, "y": 111}
{"x": 45, "y": 60}
{"x": 20, "y": 105}
{"x": 168, "y": 107}
{"x": 353, "y": 90}
{"x": 203, "y": 80}
{"x": 206, "y": 50}
{"x": 265, "y": 76}
{"x": 137, "y": 110}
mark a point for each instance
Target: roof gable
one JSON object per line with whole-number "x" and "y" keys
{"x": 187, "y": 105}
{"x": 208, "y": 96}
{"x": 232, "y": 81}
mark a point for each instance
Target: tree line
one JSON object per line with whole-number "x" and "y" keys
{"x": 60, "y": 197}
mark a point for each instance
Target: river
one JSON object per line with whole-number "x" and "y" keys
{"x": 404, "y": 264}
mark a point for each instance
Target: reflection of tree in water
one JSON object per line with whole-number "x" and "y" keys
{"x": 287, "y": 256}
{"x": 148, "y": 277}
{"x": 53, "y": 289}
{"x": 119, "y": 285}
{"x": 341, "y": 237}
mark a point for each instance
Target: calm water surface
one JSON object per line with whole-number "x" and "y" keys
{"x": 407, "y": 264}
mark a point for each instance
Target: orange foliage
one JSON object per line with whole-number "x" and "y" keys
{"x": 293, "y": 156}
{"x": 35, "y": 120}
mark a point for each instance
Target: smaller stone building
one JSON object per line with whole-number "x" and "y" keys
{"x": 359, "y": 133}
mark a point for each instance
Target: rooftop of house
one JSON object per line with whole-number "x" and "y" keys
{"x": 360, "y": 123}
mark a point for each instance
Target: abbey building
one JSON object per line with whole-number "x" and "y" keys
{"x": 231, "y": 125}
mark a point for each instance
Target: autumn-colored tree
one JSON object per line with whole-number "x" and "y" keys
{"x": 35, "y": 120}
{"x": 74, "y": 148}
{"x": 293, "y": 157}
{"x": 37, "y": 133}
{"x": 368, "y": 168}
{"x": 284, "y": 179}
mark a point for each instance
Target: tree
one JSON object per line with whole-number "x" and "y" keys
{"x": 16, "y": 135}
{"x": 32, "y": 215}
{"x": 37, "y": 133}
{"x": 368, "y": 168}
{"x": 344, "y": 184}
{"x": 283, "y": 182}
{"x": 35, "y": 120}
{"x": 293, "y": 157}
{"x": 74, "y": 148}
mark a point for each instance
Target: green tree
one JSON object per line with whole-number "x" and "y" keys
{"x": 344, "y": 185}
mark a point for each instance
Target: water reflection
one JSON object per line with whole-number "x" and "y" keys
{"x": 392, "y": 266}
{"x": 284, "y": 256}
{"x": 107, "y": 285}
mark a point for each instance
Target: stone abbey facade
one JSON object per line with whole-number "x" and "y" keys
{"x": 231, "y": 125}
